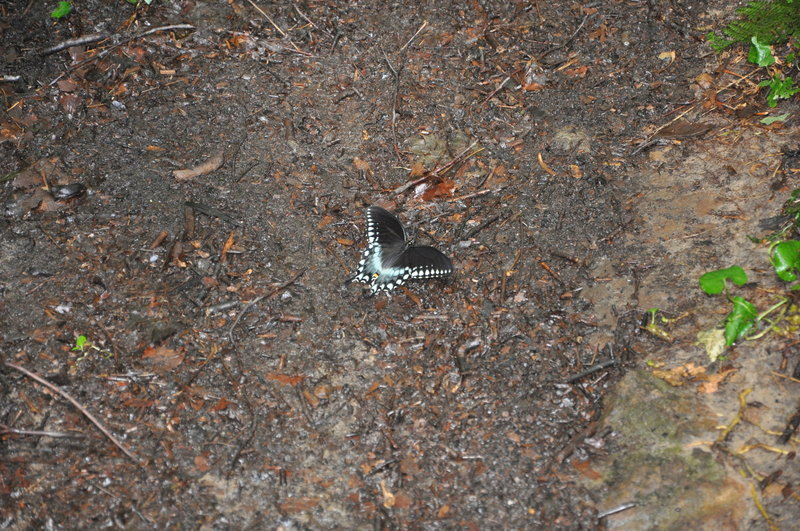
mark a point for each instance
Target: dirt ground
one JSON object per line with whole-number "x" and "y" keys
{"x": 187, "y": 192}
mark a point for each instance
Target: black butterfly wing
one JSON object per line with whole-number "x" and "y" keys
{"x": 388, "y": 261}
{"x": 425, "y": 262}
{"x": 385, "y": 234}
{"x": 386, "y": 240}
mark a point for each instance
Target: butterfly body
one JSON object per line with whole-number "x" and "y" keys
{"x": 391, "y": 259}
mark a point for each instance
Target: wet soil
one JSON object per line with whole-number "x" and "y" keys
{"x": 255, "y": 388}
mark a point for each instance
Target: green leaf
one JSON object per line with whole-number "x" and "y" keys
{"x": 740, "y": 320}
{"x": 760, "y": 54}
{"x": 785, "y": 258}
{"x": 62, "y": 10}
{"x": 713, "y": 282}
{"x": 80, "y": 342}
{"x": 769, "y": 120}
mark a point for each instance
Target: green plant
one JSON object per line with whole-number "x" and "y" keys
{"x": 763, "y": 25}
{"x": 785, "y": 258}
{"x": 83, "y": 346}
{"x": 62, "y": 10}
{"x": 770, "y": 22}
{"x": 780, "y": 88}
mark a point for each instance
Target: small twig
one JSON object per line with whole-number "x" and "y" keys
{"x": 723, "y": 435}
{"x": 260, "y": 298}
{"x": 283, "y": 33}
{"x": 75, "y": 403}
{"x": 269, "y": 19}
{"x": 440, "y": 170}
{"x": 396, "y": 94}
{"x": 326, "y": 32}
{"x": 406, "y": 45}
{"x": 480, "y": 227}
{"x": 495, "y": 91}
{"x": 594, "y": 368}
{"x": 78, "y": 41}
{"x": 649, "y": 141}
{"x": 566, "y": 42}
{"x": 7, "y": 429}
{"x": 617, "y": 509}
{"x": 124, "y": 41}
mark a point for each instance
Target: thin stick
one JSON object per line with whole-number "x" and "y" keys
{"x": 566, "y": 42}
{"x": 649, "y": 140}
{"x": 7, "y": 429}
{"x": 438, "y": 171}
{"x": 599, "y": 367}
{"x": 85, "y": 39}
{"x": 126, "y": 40}
{"x": 75, "y": 403}
{"x": 495, "y": 91}
{"x": 406, "y": 45}
{"x": 396, "y": 75}
{"x": 260, "y": 298}
{"x": 263, "y": 14}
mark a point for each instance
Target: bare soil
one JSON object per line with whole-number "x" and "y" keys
{"x": 255, "y": 389}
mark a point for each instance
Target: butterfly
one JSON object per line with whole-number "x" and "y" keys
{"x": 391, "y": 258}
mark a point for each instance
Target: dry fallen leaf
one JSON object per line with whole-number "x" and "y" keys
{"x": 442, "y": 189}
{"x": 680, "y": 375}
{"x": 285, "y": 378}
{"x": 362, "y": 165}
{"x": 388, "y": 498}
{"x": 327, "y": 220}
{"x": 297, "y": 505}
{"x": 162, "y": 358}
{"x": 201, "y": 463}
{"x": 713, "y": 381}
{"x": 667, "y": 56}
{"x": 212, "y": 164}
{"x": 586, "y": 470}
{"x": 544, "y": 165}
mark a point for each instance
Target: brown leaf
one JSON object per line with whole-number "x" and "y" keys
{"x": 327, "y": 220}
{"x": 312, "y": 400}
{"x": 577, "y": 72}
{"x": 417, "y": 170}
{"x": 67, "y": 85}
{"x": 442, "y": 189}
{"x": 69, "y": 102}
{"x": 402, "y": 501}
{"x": 388, "y": 498}
{"x": 586, "y": 470}
{"x": 713, "y": 381}
{"x": 221, "y": 405}
{"x": 296, "y": 505}
{"x": 684, "y": 129}
{"x": 201, "y": 462}
{"x": 345, "y": 241}
{"x": 362, "y": 165}
{"x": 162, "y": 358}
{"x": 223, "y": 256}
{"x": 285, "y": 378}
{"x": 680, "y": 375}
{"x": 212, "y": 164}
